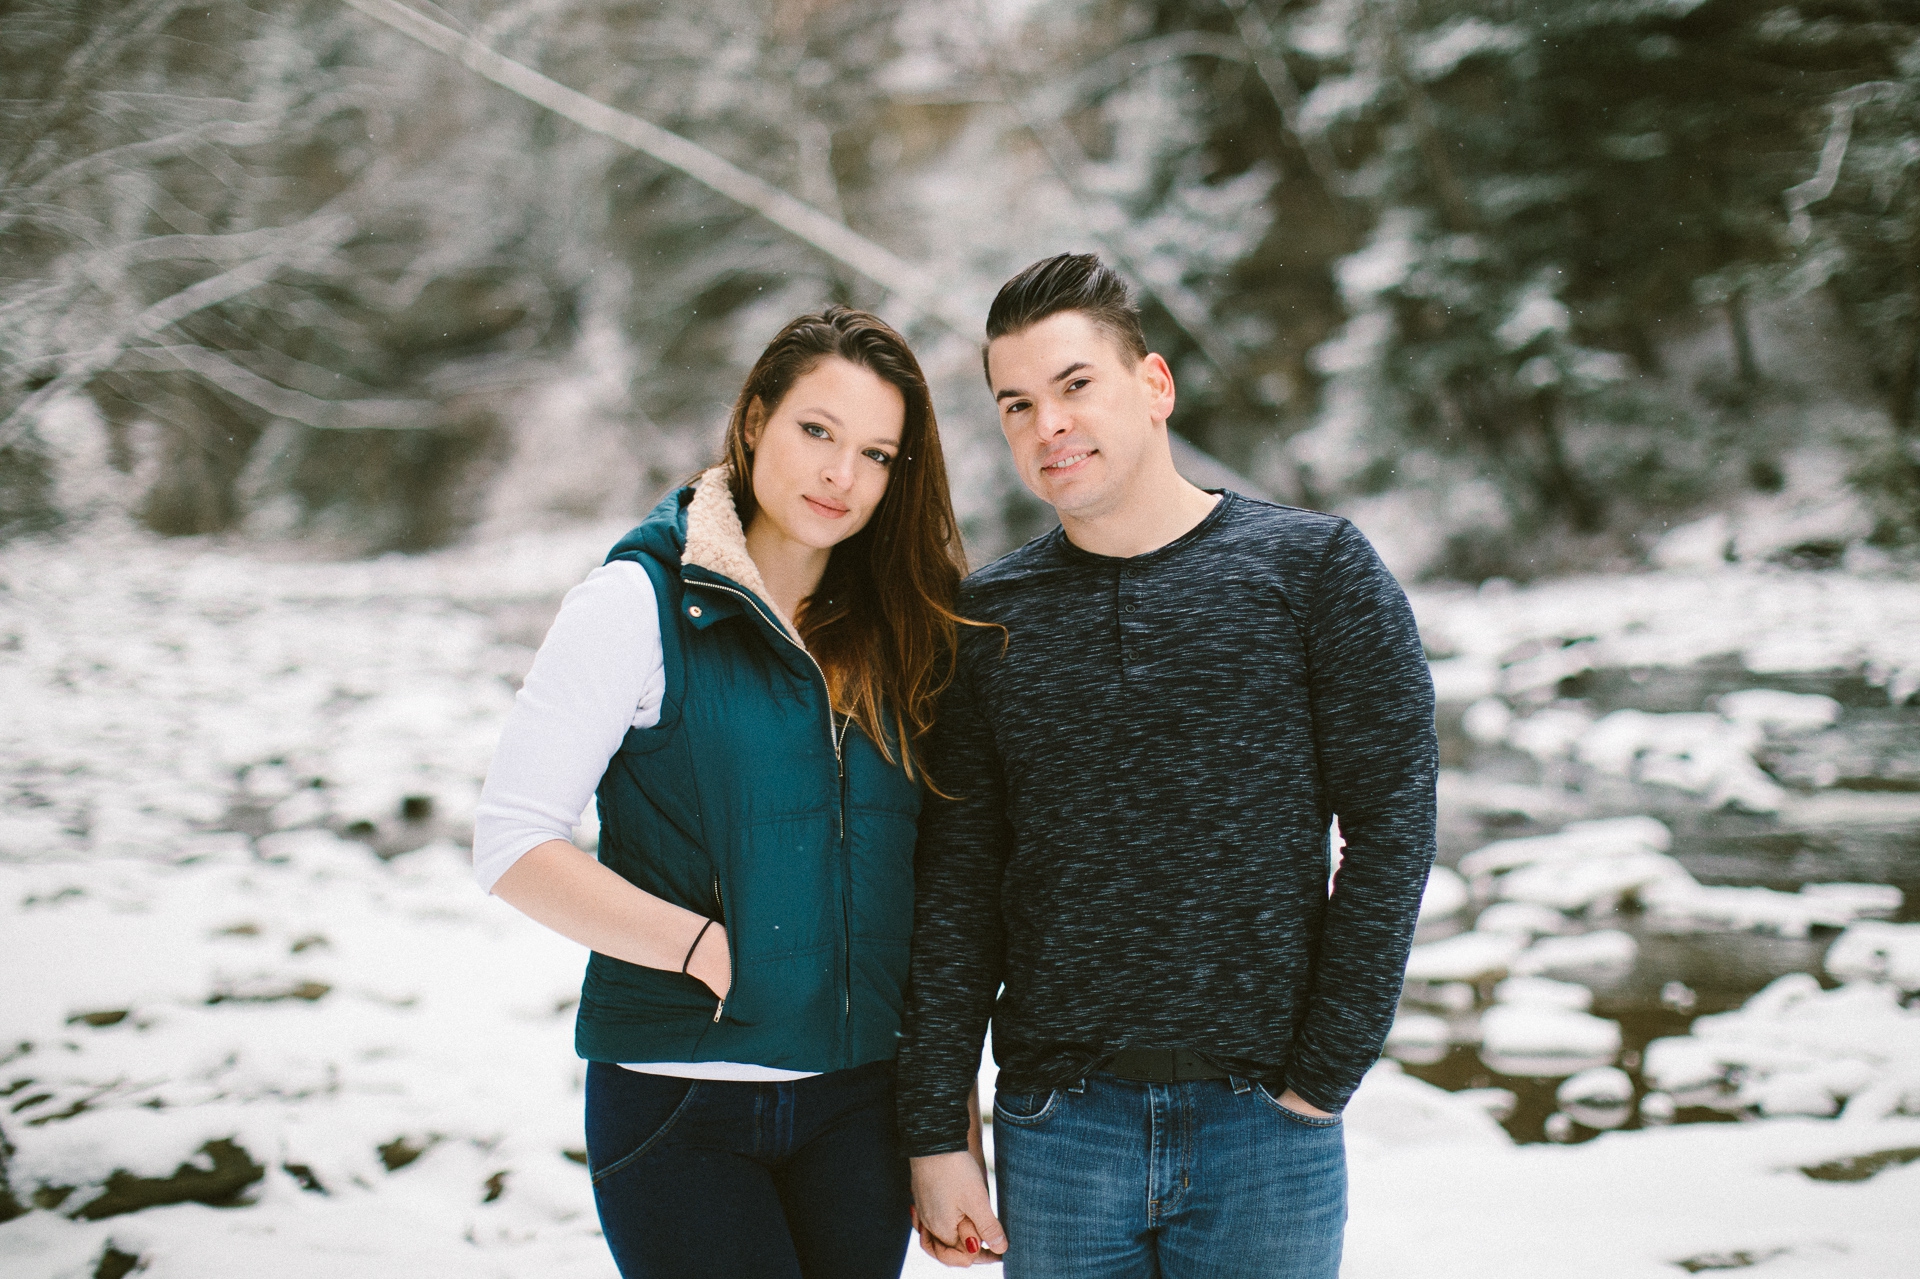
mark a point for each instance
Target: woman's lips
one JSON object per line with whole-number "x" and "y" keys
{"x": 823, "y": 510}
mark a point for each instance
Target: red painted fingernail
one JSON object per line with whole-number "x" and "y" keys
{"x": 973, "y": 1245}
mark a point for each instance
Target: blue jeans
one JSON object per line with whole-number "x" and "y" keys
{"x": 1214, "y": 1179}
{"x": 799, "y": 1180}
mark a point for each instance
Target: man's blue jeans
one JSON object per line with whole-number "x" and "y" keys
{"x": 1214, "y": 1179}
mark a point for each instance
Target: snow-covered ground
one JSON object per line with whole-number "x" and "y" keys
{"x": 214, "y": 995}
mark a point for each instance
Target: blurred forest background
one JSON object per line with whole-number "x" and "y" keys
{"x": 1522, "y": 287}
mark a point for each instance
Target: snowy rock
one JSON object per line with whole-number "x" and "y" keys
{"x": 1463, "y": 679}
{"x": 1445, "y": 895}
{"x": 1864, "y": 901}
{"x": 1596, "y": 883}
{"x": 1519, "y": 1039}
{"x": 1615, "y": 836}
{"x": 1657, "y": 1108}
{"x": 1681, "y": 905}
{"x": 1773, "y": 711}
{"x": 1469, "y": 957}
{"x": 1877, "y": 951}
{"x": 1486, "y": 721}
{"x": 1695, "y": 752}
{"x": 1822, "y": 1045}
{"x": 1818, "y": 1091}
{"x": 1418, "y": 1038}
{"x": 1541, "y": 992}
{"x": 1527, "y": 919}
{"x": 1449, "y": 996}
{"x": 1704, "y": 544}
{"x": 1691, "y": 1071}
{"x": 1497, "y": 1102}
{"x": 1392, "y": 1109}
{"x": 1598, "y": 956}
{"x": 1550, "y": 734}
{"x": 1599, "y": 1098}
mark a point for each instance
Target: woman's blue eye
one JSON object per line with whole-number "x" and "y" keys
{"x": 814, "y": 429}
{"x": 882, "y": 458}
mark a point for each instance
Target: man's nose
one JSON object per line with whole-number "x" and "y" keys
{"x": 1049, "y": 420}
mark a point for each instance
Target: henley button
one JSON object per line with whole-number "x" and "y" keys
{"x": 1133, "y": 608}
{"x": 693, "y": 611}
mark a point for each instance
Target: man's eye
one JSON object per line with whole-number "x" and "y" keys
{"x": 814, "y": 429}
{"x": 1077, "y": 383}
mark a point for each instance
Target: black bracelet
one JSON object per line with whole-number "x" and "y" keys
{"x": 696, "y": 946}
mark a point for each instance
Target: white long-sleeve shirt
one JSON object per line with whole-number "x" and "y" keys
{"x": 600, "y": 671}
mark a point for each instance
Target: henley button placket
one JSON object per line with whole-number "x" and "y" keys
{"x": 1128, "y": 625}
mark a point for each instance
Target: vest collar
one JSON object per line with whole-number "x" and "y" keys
{"x": 717, "y": 543}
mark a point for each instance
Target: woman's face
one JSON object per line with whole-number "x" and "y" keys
{"x": 822, "y": 456}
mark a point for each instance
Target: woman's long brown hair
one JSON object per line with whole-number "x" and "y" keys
{"x": 881, "y": 623}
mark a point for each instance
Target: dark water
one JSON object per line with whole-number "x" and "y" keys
{"x": 1852, "y": 816}
{"x": 1721, "y": 971}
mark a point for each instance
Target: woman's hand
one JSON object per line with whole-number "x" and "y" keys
{"x": 712, "y": 960}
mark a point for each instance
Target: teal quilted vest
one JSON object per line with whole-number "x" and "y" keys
{"x": 749, "y": 803}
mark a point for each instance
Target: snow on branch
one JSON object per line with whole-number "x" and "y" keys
{"x": 270, "y": 397}
{"x": 912, "y": 283}
{"x": 305, "y": 242}
{"x": 1802, "y": 196}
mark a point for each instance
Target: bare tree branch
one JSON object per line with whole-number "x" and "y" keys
{"x": 1833, "y": 154}
{"x": 911, "y": 283}
{"x": 326, "y": 231}
{"x": 270, "y": 397}
{"x": 1256, "y": 33}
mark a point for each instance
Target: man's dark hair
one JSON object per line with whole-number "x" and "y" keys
{"x": 1070, "y": 282}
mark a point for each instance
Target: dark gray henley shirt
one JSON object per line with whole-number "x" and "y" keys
{"x": 1143, "y": 768}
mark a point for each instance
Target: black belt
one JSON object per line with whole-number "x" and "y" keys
{"x": 1162, "y": 1065}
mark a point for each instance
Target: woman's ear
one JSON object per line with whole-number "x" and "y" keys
{"x": 756, "y": 423}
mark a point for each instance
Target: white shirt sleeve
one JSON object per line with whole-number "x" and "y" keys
{"x": 599, "y": 672}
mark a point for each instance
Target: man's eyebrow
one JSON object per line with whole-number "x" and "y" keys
{"x": 1061, "y": 376}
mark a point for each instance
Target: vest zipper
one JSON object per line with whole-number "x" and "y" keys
{"x": 720, "y": 908}
{"x": 836, "y": 733}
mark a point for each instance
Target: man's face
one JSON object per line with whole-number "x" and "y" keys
{"x": 1080, "y": 415}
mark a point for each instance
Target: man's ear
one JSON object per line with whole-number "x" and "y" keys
{"x": 756, "y": 423}
{"x": 1158, "y": 380}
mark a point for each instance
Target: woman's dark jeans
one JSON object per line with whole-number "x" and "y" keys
{"x": 799, "y": 1180}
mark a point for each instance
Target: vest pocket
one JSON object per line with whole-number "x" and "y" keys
{"x": 623, "y": 992}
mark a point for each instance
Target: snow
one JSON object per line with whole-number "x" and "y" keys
{"x": 1595, "y": 867}
{"x": 1771, "y": 710}
{"x": 1543, "y": 992}
{"x": 1438, "y": 54}
{"x": 1468, "y": 957}
{"x": 1420, "y": 1038}
{"x": 1875, "y": 951}
{"x": 291, "y": 991}
{"x": 1775, "y": 621}
{"x": 1598, "y": 955}
{"x": 1445, "y": 895}
{"x": 1536, "y": 1039}
{"x": 1632, "y": 1205}
{"x": 1600, "y": 1098}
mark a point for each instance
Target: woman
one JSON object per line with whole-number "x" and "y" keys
{"x": 744, "y": 680}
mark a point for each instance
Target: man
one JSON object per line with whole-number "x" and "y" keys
{"x": 1180, "y": 690}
